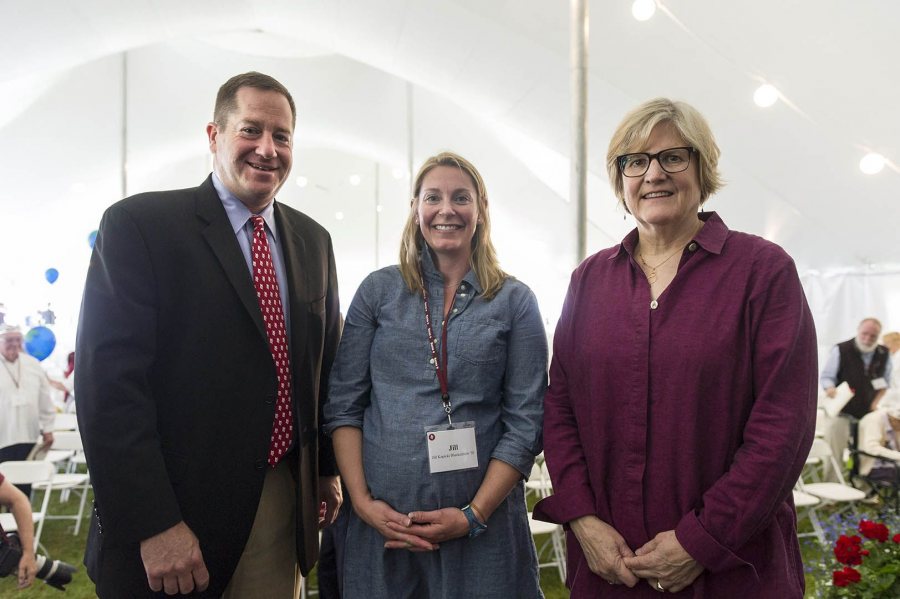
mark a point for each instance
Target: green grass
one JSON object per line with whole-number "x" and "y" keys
{"x": 59, "y": 542}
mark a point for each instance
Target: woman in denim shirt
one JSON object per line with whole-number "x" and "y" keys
{"x": 439, "y": 509}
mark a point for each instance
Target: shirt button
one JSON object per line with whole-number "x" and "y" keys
{"x": 692, "y": 247}
{"x": 462, "y": 287}
{"x": 431, "y": 361}
{"x": 654, "y": 304}
{"x": 455, "y": 310}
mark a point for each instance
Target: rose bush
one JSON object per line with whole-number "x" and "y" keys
{"x": 871, "y": 563}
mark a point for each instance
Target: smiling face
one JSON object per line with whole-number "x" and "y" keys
{"x": 11, "y": 345}
{"x": 658, "y": 198}
{"x": 253, "y": 149}
{"x": 447, "y": 211}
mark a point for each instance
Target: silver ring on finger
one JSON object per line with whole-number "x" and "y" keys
{"x": 659, "y": 587}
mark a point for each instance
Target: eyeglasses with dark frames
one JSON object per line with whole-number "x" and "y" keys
{"x": 671, "y": 160}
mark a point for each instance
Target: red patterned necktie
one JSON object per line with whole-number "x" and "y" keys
{"x": 270, "y": 305}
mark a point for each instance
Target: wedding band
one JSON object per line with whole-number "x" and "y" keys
{"x": 408, "y": 545}
{"x": 610, "y": 582}
{"x": 659, "y": 587}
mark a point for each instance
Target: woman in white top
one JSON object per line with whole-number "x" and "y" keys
{"x": 879, "y": 433}
{"x": 892, "y": 342}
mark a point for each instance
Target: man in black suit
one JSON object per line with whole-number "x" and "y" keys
{"x": 208, "y": 327}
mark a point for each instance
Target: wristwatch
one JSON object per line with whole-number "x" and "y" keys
{"x": 475, "y": 527}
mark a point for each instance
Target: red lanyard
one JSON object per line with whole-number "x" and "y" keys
{"x": 440, "y": 364}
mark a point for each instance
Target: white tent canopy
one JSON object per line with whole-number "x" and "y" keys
{"x": 89, "y": 87}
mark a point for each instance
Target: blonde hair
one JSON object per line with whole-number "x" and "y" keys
{"x": 635, "y": 129}
{"x": 483, "y": 259}
{"x": 892, "y": 340}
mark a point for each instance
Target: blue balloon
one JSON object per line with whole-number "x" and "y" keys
{"x": 92, "y": 237}
{"x": 39, "y": 342}
{"x": 51, "y": 275}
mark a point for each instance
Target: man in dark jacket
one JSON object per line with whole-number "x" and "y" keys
{"x": 208, "y": 327}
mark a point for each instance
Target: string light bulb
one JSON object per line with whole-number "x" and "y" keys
{"x": 765, "y": 95}
{"x": 643, "y": 10}
{"x": 872, "y": 163}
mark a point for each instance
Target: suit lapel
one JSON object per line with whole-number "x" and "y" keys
{"x": 294, "y": 250}
{"x": 221, "y": 239}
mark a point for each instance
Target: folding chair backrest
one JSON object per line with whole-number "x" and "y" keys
{"x": 68, "y": 440}
{"x": 822, "y": 450}
{"x": 65, "y": 422}
{"x": 27, "y": 473}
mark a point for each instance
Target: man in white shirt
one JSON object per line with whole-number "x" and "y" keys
{"x": 26, "y": 410}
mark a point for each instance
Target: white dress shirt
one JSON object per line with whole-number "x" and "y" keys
{"x": 25, "y": 405}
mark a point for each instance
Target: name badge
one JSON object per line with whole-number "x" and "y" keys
{"x": 879, "y": 383}
{"x": 451, "y": 448}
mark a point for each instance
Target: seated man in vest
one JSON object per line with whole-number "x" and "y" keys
{"x": 866, "y": 367}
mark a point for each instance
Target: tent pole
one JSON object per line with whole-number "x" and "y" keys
{"x": 578, "y": 57}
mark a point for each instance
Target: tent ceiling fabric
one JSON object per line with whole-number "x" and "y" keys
{"x": 792, "y": 172}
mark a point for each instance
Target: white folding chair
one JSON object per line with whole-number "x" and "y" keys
{"x": 71, "y": 479}
{"x": 813, "y": 470}
{"x": 539, "y": 481}
{"x": 830, "y": 493}
{"x": 806, "y": 506}
{"x": 822, "y": 422}
{"x": 65, "y": 422}
{"x": 32, "y": 473}
{"x": 554, "y": 545}
{"x": 539, "y": 484}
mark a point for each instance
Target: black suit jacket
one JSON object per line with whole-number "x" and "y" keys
{"x": 177, "y": 387}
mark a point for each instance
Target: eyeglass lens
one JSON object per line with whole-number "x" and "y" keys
{"x": 672, "y": 160}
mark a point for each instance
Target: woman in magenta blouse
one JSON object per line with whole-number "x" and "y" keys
{"x": 682, "y": 390}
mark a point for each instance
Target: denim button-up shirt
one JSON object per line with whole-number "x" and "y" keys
{"x": 384, "y": 382}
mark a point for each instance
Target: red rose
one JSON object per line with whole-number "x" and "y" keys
{"x": 873, "y": 530}
{"x": 852, "y": 575}
{"x": 838, "y": 578}
{"x": 864, "y": 552}
{"x": 896, "y": 538}
{"x": 845, "y": 577}
{"x": 847, "y": 550}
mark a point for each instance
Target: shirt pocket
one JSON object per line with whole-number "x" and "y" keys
{"x": 481, "y": 341}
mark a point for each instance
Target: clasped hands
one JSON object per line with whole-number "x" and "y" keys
{"x": 416, "y": 531}
{"x": 662, "y": 561}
